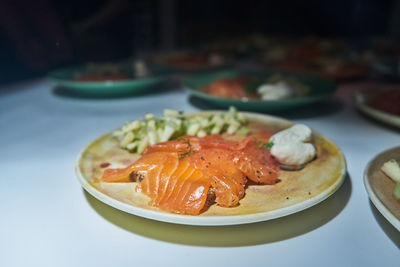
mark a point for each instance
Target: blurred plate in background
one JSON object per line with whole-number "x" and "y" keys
{"x": 364, "y": 98}
{"x": 109, "y": 79}
{"x": 319, "y": 89}
{"x": 193, "y": 60}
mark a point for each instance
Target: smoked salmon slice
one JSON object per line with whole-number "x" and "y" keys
{"x": 185, "y": 175}
{"x": 255, "y": 161}
{"x": 227, "y": 180}
{"x": 173, "y": 184}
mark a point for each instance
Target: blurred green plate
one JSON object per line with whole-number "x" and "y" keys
{"x": 321, "y": 88}
{"x": 65, "y": 78}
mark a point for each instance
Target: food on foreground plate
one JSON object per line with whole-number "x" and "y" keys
{"x": 137, "y": 135}
{"x": 275, "y": 87}
{"x": 392, "y": 169}
{"x": 189, "y": 173}
{"x": 291, "y": 146}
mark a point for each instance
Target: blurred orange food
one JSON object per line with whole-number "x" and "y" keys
{"x": 231, "y": 88}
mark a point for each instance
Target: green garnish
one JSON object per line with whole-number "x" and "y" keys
{"x": 258, "y": 145}
{"x": 184, "y": 153}
{"x": 269, "y": 145}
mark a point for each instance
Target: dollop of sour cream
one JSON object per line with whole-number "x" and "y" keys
{"x": 291, "y": 147}
{"x": 277, "y": 91}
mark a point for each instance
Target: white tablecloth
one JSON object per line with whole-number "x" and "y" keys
{"x": 48, "y": 219}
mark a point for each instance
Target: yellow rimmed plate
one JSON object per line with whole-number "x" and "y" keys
{"x": 298, "y": 190}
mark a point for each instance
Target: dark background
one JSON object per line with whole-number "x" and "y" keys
{"x": 38, "y": 36}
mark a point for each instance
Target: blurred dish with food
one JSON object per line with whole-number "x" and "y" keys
{"x": 331, "y": 58}
{"x": 259, "y": 91}
{"x": 192, "y": 60}
{"x": 110, "y": 79}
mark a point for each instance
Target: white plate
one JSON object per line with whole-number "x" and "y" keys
{"x": 380, "y": 187}
{"x": 296, "y": 191}
{"x": 363, "y": 97}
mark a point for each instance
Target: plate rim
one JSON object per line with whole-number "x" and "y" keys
{"x": 380, "y": 206}
{"x": 212, "y": 220}
{"x": 131, "y": 81}
{"x": 108, "y": 83}
{"x": 381, "y": 116}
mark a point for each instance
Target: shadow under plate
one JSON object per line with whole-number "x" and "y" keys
{"x": 389, "y": 229}
{"x": 233, "y": 235}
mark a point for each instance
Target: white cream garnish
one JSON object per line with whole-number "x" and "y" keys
{"x": 276, "y": 91}
{"x": 290, "y": 146}
{"x": 296, "y": 133}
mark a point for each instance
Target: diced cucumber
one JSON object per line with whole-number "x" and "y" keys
{"x": 204, "y": 122}
{"x": 232, "y": 128}
{"x": 232, "y": 110}
{"x": 396, "y": 192}
{"x": 151, "y": 125}
{"x": 143, "y": 145}
{"x": 172, "y": 113}
{"x": 392, "y": 169}
{"x": 216, "y": 129}
{"x": 201, "y": 133}
{"x": 160, "y": 133}
{"x": 132, "y": 146}
{"x": 128, "y": 138}
{"x": 193, "y": 129}
{"x": 152, "y": 137}
{"x": 241, "y": 118}
{"x": 168, "y": 132}
{"x": 118, "y": 133}
{"x": 174, "y": 123}
{"x": 149, "y": 116}
{"x": 243, "y": 131}
{"x": 132, "y": 126}
{"x": 135, "y": 136}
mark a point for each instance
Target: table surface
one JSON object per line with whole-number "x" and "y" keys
{"x": 49, "y": 220}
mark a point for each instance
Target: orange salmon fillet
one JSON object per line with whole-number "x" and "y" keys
{"x": 181, "y": 173}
